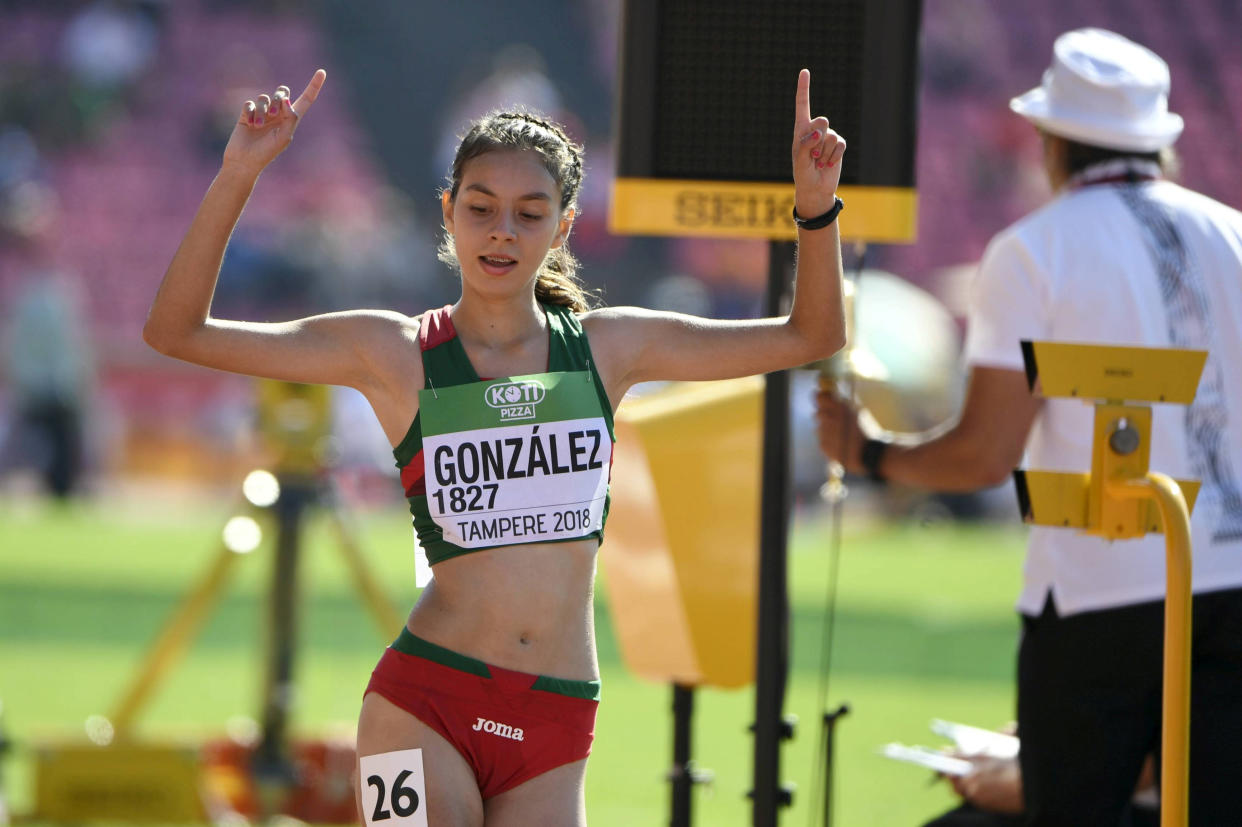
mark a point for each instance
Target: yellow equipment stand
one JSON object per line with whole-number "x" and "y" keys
{"x": 179, "y": 630}
{"x": 295, "y": 422}
{"x": 121, "y": 778}
{"x": 1121, "y": 499}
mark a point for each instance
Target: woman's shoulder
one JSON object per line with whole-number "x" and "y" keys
{"x": 607, "y": 317}
{"x": 375, "y": 328}
{"x": 627, "y": 321}
{"x": 376, "y": 318}
{"x": 618, "y": 333}
{"x": 608, "y": 322}
{"x": 387, "y": 340}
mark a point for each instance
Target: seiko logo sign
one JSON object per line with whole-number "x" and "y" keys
{"x": 514, "y": 400}
{"x": 705, "y": 208}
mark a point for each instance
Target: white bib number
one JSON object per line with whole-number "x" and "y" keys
{"x": 394, "y": 791}
{"x": 516, "y": 460}
{"x": 519, "y": 484}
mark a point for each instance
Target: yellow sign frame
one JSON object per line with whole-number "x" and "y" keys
{"x": 1136, "y": 374}
{"x": 732, "y": 209}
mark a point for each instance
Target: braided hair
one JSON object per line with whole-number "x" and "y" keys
{"x": 557, "y": 281}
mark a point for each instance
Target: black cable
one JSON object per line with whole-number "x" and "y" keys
{"x": 834, "y": 558}
{"x": 836, "y": 503}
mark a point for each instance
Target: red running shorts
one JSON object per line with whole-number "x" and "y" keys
{"x": 509, "y": 726}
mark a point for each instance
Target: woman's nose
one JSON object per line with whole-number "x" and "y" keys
{"x": 503, "y": 228}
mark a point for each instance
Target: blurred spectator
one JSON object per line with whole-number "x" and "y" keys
{"x": 234, "y": 71}
{"x": 106, "y": 48}
{"x": 518, "y": 79}
{"x": 27, "y": 201}
{"x": 19, "y": 156}
{"x": 33, "y": 101}
{"x": 49, "y": 372}
{"x": 734, "y": 269}
{"x": 108, "y": 44}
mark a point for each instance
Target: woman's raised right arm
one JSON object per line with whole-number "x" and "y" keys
{"x": 332, "y": 349}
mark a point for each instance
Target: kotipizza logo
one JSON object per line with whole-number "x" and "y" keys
{"x": 515, "y": 400}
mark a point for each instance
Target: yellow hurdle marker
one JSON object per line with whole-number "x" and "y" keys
{"x": 1121, "y": 499}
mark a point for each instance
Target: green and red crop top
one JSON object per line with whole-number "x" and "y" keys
{"x": 507, "y": 461}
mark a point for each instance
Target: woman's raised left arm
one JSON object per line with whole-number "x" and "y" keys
{"x": 643, "y": 345}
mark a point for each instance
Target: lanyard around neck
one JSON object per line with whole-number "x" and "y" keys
{"x": 1119, "y": 170}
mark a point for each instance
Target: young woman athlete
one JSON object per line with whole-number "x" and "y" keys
{"x": 499, "y": 408}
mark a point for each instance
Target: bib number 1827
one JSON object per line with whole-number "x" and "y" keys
{"x": 466, "y": 498}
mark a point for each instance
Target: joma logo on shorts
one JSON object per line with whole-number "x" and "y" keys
{"x": 503, "y": 730}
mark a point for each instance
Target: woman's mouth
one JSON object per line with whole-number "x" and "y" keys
{"x": 497, "y": 265}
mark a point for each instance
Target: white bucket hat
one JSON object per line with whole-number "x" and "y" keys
{"x": 1103, "y": 90}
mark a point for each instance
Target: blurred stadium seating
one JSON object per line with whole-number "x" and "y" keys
{"x": 109, "y": 173}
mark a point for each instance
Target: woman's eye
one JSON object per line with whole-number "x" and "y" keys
{"x": 531, "y": 216}
{"x": 478, "y": 209}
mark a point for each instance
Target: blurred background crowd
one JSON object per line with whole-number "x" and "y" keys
{"x": 114, "y": 113}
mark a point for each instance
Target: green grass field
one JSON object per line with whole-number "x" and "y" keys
{"x": 924, "y": 629}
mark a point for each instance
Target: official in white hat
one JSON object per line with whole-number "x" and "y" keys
{"x": 1120, "y": 255}
{"x": 1103, "y": 90}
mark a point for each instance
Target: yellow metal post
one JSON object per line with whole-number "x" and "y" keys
{"x": 1174, "y": 725}
{"x": 1116, "y": 500}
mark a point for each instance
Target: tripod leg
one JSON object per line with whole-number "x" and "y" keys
{"x": 272, "y": 766}
{"x": 389, "y": 621}
{"x": 173, "y": 640}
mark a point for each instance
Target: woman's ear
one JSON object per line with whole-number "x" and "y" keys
{"x": 562, "y": 231}
{"x": 446, "y": 206}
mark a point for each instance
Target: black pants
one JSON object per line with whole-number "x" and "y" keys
{"x": 1089, "y": 700}
{"x": 967, "y": 815}
{"x": 54, "y": 431}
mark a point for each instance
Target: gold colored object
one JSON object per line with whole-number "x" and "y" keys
{"x": 1139, "y": 374}
{"x": 759, "y": 209}
{"x": 295, "y": 422}
{"x": 1122, "y": 498}
{"x": 121, "y": 782}
{"x": 901, "y": 364}
{"x": 181, "y": 627}
{"x": 1062, "y": 500}
{"x": 681, "y": 559}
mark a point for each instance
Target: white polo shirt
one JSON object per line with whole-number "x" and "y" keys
{"x": 1149, "y": 264}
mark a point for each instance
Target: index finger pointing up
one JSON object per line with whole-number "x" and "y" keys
{"x": 802, "y": 101}
{"x": 310, "y": 93}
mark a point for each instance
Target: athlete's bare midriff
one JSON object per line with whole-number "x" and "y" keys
{"x": 526, "y": 607}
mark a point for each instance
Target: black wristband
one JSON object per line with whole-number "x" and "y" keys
{"x": 819, "y": 221}
{"x": 872, "y": 454}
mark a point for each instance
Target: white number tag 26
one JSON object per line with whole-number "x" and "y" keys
{"x": 394, "y": 793}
